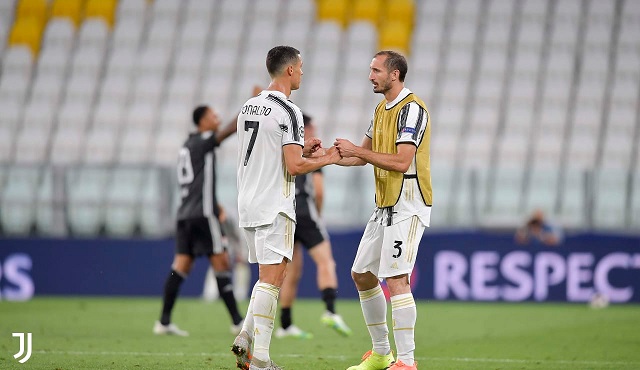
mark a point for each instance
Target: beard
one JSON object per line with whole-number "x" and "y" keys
{"x": 382, "y": 87}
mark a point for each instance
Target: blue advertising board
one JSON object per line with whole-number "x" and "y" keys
{"x": 474, "y": 266}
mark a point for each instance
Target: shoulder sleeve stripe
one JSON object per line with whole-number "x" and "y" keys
{"x": 402, "y": 119}
{"x": 290, "y": 111}
{"x": 418, "y": 123}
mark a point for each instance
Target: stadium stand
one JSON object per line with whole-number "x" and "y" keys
{"x": 59, "y": 35}
{"x": 49, "y": 218}
{"x": 125, "y": 190}
{"x": 17, "y": 61}
{"x": 534, "y": 104}
{"x": 370, "y": 11}
{"x": 103, "y": 9}
{"x": 18, "y": 208}
{"x": 335, "y": 11}
{"x": 71, "y": 9}
{"x": 27, "y": 32}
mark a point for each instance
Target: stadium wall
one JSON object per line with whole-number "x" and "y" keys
{"x": 474, "y": 266}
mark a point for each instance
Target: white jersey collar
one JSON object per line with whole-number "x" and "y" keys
{"x": 403, "y": 94}
{"x": 277, "y": 93}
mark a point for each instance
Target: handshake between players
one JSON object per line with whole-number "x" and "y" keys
{"x": 342, "y": 148}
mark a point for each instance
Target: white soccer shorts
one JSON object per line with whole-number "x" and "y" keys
{"x": 388, "y": 251}
{"x": 269, "y": 244}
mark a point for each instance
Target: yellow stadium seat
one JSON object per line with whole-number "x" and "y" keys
{"x": 27, "y": 31}
{"x": 395, "y": 35}
{"x": 104, "y": 9}
{"x": 400, "y": 10}
{"x": 333, "y": 10}
{"x": 34, "y": 9}
{"x": 71, "y": 9}
{"x": 367, "y": 10}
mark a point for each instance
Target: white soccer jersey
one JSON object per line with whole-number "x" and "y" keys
{"x": 266, "y": 123}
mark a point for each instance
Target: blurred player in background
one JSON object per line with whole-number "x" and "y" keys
{"x": 397, "y": 145}
{"x": 238, "y": 255}
{"x": 310, "y": 233}
{"x": 271, "y": 153}
{"x": 198, "y": 230}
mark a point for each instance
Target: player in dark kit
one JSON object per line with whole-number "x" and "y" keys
{"x": 311, "y": 233}
{"x": 198, "y": 230}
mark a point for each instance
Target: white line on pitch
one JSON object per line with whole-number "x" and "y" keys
{"x": 338, "y": 357}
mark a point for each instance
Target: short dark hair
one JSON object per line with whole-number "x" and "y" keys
{"x": 279, "y": 57}
{"x": 198, "y": 113}
{"x": 395, "y": 61}
{"x": 307, "y": 119}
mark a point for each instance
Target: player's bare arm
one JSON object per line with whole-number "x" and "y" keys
{"x": 299, "y": 165}
{"x": 232, "y": 127}
{"x": 227, "y": 130}
{"x": 222, "y": 217}
{"x": 398, "y": 162}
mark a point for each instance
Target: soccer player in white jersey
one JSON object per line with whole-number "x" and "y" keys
{"x": 397, "y": 145}
{"x": 271, "y": 153}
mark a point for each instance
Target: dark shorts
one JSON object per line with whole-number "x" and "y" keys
{"x": 199, "y": 237}
{"x": 309, "y": 232}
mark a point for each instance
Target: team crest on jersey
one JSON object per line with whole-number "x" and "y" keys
{"x": 284, "y": 128}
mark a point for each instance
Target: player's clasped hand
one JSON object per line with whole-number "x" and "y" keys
{"x": 346, "y": 148}
{"x": 311, "y": 145}
{"x": 335, "y": 154}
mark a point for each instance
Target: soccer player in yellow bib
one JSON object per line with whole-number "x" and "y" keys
{"x": 397, "y": 145}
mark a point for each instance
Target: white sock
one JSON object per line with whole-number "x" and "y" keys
{"x": 248, "y": 319}
{"x": 374, "y": 309}
{"x": 403, "y": 312}
{"x": 265, "y": 305}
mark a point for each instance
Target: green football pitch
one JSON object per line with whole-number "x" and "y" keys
{"x": 115, "y": 333}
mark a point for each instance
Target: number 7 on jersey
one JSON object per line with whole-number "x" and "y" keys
{"x": 251, "y": 125}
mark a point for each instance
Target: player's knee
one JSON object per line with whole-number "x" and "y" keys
{"x": 331, "y": 263}
{"x": 357, "y": 277}
{"x": 399, "y": 284}
{"x": 328, "y": 265}
{"x": 220, "y": 263}
{"x": 294, "y": 274}
{"x": 183, "y": 272}
{"x": 364, "y": 281}
{"x": 280, "y": 278}
{"x": 322, "y": 255}
{"x": 182, "y": 267}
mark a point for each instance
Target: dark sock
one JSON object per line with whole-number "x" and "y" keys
{"x": 171, "y": 288}
{"x": 329, "y": 298}
{"x": 225, "y": 289}
{"x": 285, "y": 317}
